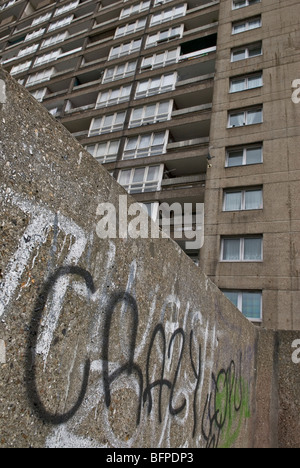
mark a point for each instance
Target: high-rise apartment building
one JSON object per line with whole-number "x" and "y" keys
{"x": 184, "y": 102}
{"x": 252, "y": 199}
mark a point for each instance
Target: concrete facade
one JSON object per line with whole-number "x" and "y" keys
{"x": 276, "y": 273}
{"x": 119, "y": 343}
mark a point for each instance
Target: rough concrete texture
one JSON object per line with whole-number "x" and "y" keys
{"x": 112, "y": 343}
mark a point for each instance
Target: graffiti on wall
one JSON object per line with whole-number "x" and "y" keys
{"x": 166, "y": 357}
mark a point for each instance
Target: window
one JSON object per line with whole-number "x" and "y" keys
{"x": 161, "y": 2}
{"x": 152, "y": 113}
{"x": 41, "y": 19}
{"x": 168, "y": 15}
{"x": 54, "y": 39}
{"x": 46, "y": 58}
{"x": 40, "y": 94}
{"x": 35, "y": 34}
{"x": 61, "y": 23}
{"x": 130, "y": 28}
{"x": 244, "y": 156}
{"x": 243, "y": 200}
{"x": 66, "y": 8}
{"x": 44, "y": 75}
{"x": 143, "y": 146}
{"x": 246, "y": 25}
{"x": 243, "y": 3}
{"x": 125, "y": 49}
{"x": 119, "y": 72}
{"x": 7, "y": 5}
{"x": 134, "y": 9}
{"x": 160, "y": 59}
{"x": 244, "y": 83}
{"x": 242, "y": 249}
{"x": 243, "y": 53}
{"x": 142, "y": 179}
{"x": 156, "y": 85}
{"x": 164, "y": 36}
{"x": 245, "y": 117}
{"x": 105, "y": 152}
{"x": 55, "y": 111}
{"x": 28, "y": 50}
{"x": 248, "y": 302}
{"x": 107, "y": 124}
{"x": 21, "y": 67}
{"x": 113, "y": 96}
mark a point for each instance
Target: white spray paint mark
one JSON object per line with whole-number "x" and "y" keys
{"x": 35, "y": 234}
{"x": 2, "y": 352}
{"x": 33, "y": 238}
{"x": 63, "y": 438}
{"x": 130, "y": 289}
{"x": 2, "y": 92}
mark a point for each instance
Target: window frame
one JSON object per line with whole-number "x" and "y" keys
{"x": 122, "y": 50}
{"x": 161, "y": 2}
{"x": 39, "y": 94}
{"x": 246, "y": 79}
{"x": 112, "y": 102}
{"x": 139, "y": 153}
{"x": 66, "y": 8}
{"x": 247, "y": 49}
{"x": 243, "y": 193}
{"x": 115, "y": 76}
{"x": 246, "y": 116}
{"x": 61, "y": 23}
{"x": 47, "y": 75}
{"x": 166, "y": 61}
{"x": 114, "y": 127}
{"x": 55, "y": 39}
{"x": 169, "y": 14}
{"x": 135, "y": 9}
{"x": 47, "y": 58}
{"x": 244, "y": 149}
{"x": 247, "y": 3}
{"x": 242, "y": 240}
{"x": 172, "y": 35}
{"x": 239, "y": 306}
{"x": 247, "y": 22}
{"x": 147, "y": 186}
{"x": 107, "y": 158}
{"x": 41, "y": 19}
{"x": 28, "y": 50}
{"x": 144, "y": 120}
{"x": 138, "y": 25}
{"x": 151, "y": 91}
{"x": 21, "y": 67}
{"x": 35, "y": 34}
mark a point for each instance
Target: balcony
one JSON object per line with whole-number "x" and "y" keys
{"x": 198, "y": 54}
{"x": 186, "y": 182}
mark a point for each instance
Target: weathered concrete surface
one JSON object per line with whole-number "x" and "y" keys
{"x": 110, "y": 343}
{"x": 288, "y": 389}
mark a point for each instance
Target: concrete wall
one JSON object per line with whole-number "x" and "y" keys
{"x": 110, "y": 343}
